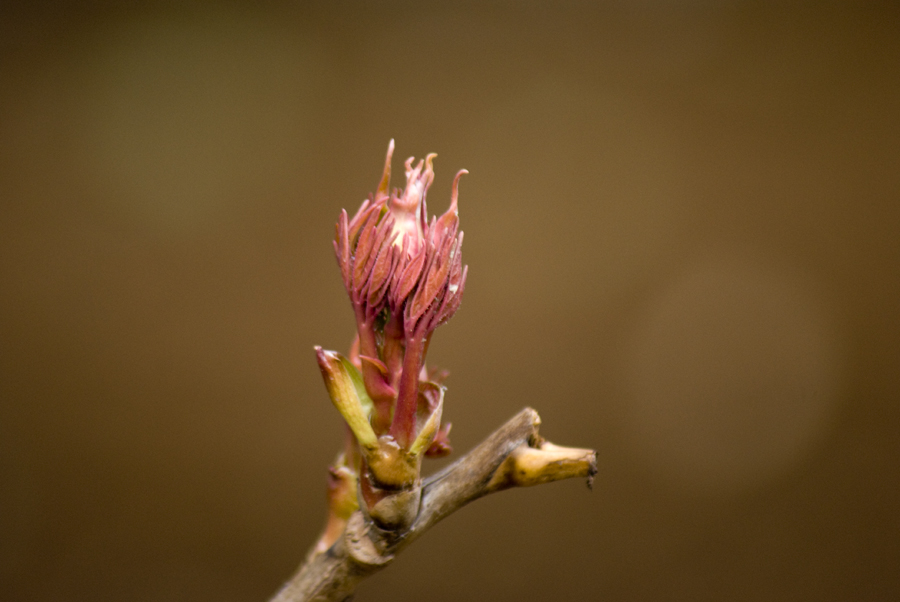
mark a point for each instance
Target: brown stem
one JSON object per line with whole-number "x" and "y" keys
{"x": 515, "y": 455}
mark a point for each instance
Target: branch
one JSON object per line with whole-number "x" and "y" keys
{"x": 514, "y": 455}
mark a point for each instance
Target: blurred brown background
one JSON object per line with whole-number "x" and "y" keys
{"x": 682, "y": 231}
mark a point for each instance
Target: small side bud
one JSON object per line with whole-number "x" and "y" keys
{"x": 342, "y": 503}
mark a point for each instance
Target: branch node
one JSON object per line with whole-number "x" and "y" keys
{"x": 362, "y": 547}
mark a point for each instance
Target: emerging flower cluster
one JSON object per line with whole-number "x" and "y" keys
{"x": 404, "y": 276}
